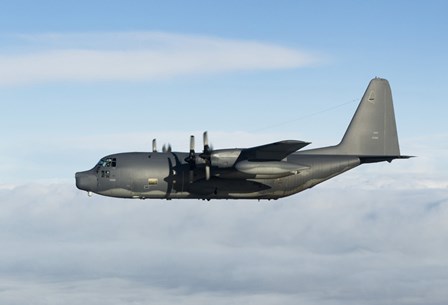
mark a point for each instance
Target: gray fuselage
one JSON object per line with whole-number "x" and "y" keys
{"x": 167, "y": 175}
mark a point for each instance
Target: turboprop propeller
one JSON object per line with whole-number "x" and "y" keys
{"x": 192, "y": 159}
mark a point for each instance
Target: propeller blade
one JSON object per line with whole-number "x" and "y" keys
{"x": 191, "y": 159}
{"x": 192, "y": 144}
{"x": 166, "y": 149}
{"x": 206, "y": 146}
{"x": 154, "y": 145}
{"x": 191, "y": 175}
{"x": 206, "y": 155}
{"x": 207, "y": 172}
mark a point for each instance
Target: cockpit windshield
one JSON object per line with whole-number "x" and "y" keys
{"x": 107, "y": 162}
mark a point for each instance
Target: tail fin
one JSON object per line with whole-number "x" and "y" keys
{"x": 372, "y": 131}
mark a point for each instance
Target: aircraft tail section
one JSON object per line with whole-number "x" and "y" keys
{"x": 372, "y": 133}
{"x": 373, "y": 130}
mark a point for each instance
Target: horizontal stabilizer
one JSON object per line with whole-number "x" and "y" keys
{"x": 271, "y": 152}
{"x": 373, "y": 159}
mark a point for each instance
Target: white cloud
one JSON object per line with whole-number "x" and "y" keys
{"x": 324, "y": 246}
{"x": 139, "y": 57}
{"x": 117, "y": 291}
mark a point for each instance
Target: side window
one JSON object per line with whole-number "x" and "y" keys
{"x": 105, "y": 174}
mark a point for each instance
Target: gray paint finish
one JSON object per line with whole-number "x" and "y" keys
{"x": 372, "y": 130}
{"x": 269, "y": 171}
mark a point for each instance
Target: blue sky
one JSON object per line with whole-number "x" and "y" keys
{"x": 79, "y": 68}
{"x": 82, "y": 79}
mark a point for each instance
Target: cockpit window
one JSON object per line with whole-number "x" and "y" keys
{"x": 107, "y": 162}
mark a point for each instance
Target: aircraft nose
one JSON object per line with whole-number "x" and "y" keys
{"x": 86, "y": 181}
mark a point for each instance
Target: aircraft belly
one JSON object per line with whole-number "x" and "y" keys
{"x": 117, "y": 192}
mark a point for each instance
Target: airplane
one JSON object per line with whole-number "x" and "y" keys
{"x": 270, "y": 171}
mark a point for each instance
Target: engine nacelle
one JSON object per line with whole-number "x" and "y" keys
{"x": 269, "y": 169}
{"x": 224, "y": 158}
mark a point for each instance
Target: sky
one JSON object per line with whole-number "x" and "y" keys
{"x": 83, "y": 79}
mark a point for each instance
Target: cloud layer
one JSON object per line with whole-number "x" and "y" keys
{"x": 138, "y": 57}
{"x": 324, "y": 246}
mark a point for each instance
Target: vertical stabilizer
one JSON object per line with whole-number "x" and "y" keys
{"x": 373, "y": 131}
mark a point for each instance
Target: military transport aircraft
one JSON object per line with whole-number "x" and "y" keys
{"x": 268, "y": 171}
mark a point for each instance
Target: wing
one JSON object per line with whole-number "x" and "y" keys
{"x": 271, "y": 152}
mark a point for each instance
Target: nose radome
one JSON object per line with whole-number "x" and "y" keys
{"x": 86, "y": 181}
